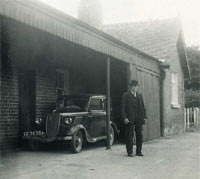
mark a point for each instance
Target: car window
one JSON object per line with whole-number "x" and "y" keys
{"x": 76, "y": 102}
{"x": 96, "y": 104}
{"x": 72, "y": 102}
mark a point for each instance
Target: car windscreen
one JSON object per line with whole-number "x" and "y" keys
{"x": 74, "y": 103}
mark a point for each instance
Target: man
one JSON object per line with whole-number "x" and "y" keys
{"x": 134, "y": 116}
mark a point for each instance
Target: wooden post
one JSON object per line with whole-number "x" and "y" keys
{"x": 188, "y": 118}
{"x": 0, "y": 81}
{"x": 162, "y": 102}
{"x": 108, "y": 102}
{"x": 185, "y": 119}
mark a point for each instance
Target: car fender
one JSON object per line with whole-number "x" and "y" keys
{"x": 76, "y": 128}
{"x": 85, "y": 132}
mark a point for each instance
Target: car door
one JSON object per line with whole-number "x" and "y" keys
{"x": 97, "y": 116}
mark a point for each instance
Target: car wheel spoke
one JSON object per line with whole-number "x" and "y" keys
{"x": 77, "y": 142}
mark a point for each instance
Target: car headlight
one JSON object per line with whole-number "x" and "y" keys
{"x": 68, "y": 120}
{"x": 38, "y": 120}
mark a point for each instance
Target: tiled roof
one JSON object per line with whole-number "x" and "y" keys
{"x": 154, "y": 37}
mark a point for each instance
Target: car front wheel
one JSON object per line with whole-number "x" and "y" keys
{"x": 77, "y": 142}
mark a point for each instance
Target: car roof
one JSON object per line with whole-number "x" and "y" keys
{"x": 84, "y": 95}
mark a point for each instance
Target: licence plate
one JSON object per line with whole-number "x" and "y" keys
{"x": 33, "y": 133}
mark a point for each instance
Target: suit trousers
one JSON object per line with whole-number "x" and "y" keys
{"x": 129, "y": 134}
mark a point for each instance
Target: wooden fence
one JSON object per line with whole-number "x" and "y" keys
{"x": 192, "y": 118}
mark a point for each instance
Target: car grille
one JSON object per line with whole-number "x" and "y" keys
{"x": 52, "y": 125}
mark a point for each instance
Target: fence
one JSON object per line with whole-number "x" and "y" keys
{"x": 192, "y": 118}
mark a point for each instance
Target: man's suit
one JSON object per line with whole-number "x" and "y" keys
{"x": 133, "y": 108}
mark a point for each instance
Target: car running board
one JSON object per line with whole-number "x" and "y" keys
{"x": 92, "y": 140}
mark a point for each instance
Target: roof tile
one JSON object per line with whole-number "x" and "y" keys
{"x": 154, "y": 37}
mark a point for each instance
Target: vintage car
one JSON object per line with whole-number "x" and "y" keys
{"x": 78, "y": 119}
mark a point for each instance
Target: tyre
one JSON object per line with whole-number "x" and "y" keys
{"x": 77, "y": 142}
{"x": 112, "y": 136}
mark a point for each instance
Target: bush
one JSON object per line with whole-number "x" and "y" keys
{"x": 192, "y": 98}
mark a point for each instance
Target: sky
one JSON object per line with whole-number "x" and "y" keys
{"x": 117, "y": 11}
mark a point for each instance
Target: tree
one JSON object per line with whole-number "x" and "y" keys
{"x": 193, "y": 54}
{"x": 192, "y": 93}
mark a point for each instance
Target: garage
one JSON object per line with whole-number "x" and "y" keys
{"x": 56, "y": 54}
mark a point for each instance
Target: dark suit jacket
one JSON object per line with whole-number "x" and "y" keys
{"x": 130, "y": 110}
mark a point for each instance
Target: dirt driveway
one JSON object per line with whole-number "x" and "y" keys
{"x": 176, "y": 157}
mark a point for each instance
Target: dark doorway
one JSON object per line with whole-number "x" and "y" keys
{"x": 27, "y": 108}
{"x": 119, "y": 75}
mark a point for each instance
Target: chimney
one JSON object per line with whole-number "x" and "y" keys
{"x": 90, "y": 12}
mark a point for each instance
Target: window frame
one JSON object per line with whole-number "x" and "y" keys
{"x": 94, "y": 110}
{"x": 175, "y": 90}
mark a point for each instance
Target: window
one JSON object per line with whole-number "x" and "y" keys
{"x": 59, "y": 82}
{"x": 96, "y": 104}
{"x": 59, "y": 79}
{"x": 174, "y": 90}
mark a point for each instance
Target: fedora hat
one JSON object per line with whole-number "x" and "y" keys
{"x": 133, "y": 83}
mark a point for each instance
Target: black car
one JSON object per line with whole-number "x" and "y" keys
{"x": 77, "y": 118}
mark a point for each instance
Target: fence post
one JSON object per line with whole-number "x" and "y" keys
{"x": 198, "y": 117}
{"x": 185, "y": 120}
{"x": 195, "y": 117}
{"x": 188, "y": 117}
{"x": 191, "y": 118}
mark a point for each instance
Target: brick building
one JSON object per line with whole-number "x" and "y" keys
{"x": 45, "y": 53}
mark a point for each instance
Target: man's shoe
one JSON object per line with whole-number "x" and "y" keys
{"x": 130, "y": 155}
{"x": 139, "y": 154}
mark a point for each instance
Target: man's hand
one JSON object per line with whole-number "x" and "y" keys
{"x": 144, "y": 120}
{"x": 126, "y": 121}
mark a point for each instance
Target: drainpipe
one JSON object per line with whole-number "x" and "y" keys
{"x": 163, "y": 67}
{"x": 108, "y": 102}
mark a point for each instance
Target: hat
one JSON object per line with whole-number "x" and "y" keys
{"x": 133, "y": 83}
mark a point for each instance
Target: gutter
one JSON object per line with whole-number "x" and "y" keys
{"x": 164, "y": 65}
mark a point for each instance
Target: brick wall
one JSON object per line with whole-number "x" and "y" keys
{"x": 9, "y": 109}
{"x": 45, "y": 92}
{"x": 45, "y": 100}
{"x": 8, "y": 94}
